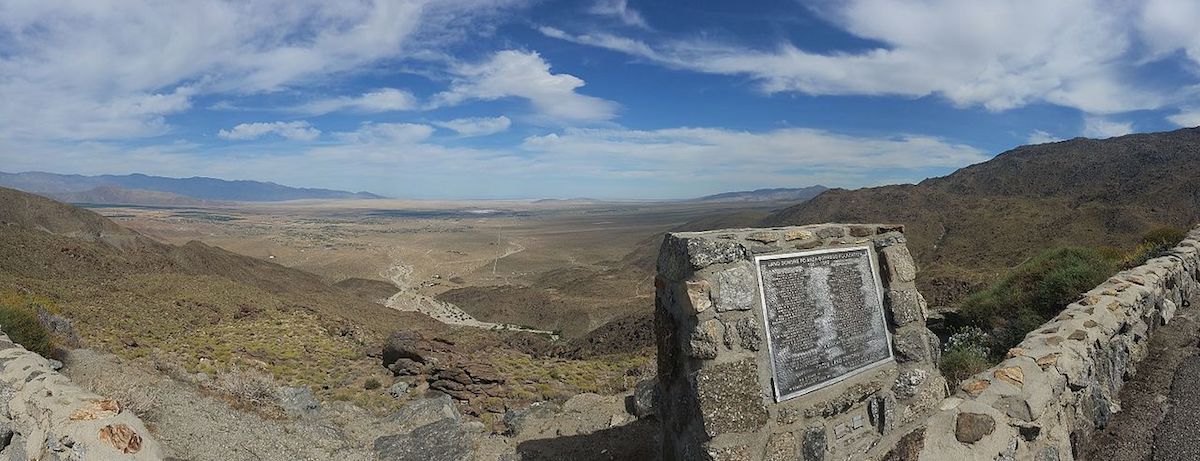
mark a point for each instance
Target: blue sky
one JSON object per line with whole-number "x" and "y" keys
{"x": 595, "y": 98}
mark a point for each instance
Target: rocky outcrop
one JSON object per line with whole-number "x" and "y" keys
{"x": 45, "y": 416}
{"x": 438, "y": 364}
{"x": 1061, "y": 383}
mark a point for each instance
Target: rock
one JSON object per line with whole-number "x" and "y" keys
{"x": 704, "y": 339}
{"x": 1011, "y": 375}
{"x": 407, "y": 367}
{"x": 799, "y": 234}
{"x": 404, "y": 345}
{"x": 729, "y": 397}
{"x": 644, "y": 395}
{"x": 426, "y": 411}
{"x": 915, "y": 343}
{"x": 908, "y": 382}
{"x": 749, "y": 333}
{"x": 445, "y": 440}
{"x": 298, "y": 401}
{"x": 781, "y": 447}
{"x": 698, "y": 295}
{"x": 55, "y": 364}
{"x": 517, "y": 421}
{"x": 763, "y": 237}
{"x": 973, "y": 427}
{"x": 900, "y": 267}
{"x": 882, "y": 410}
{"x": 735, "y": 289}
{"x": 482, "y": 373}
{"x": 813, "y": 446}
{"x": 399, "y": 389}
{"x": 907, "y": 306}
{"x": 830, "y": 232}
{"x": 122, "y": 437}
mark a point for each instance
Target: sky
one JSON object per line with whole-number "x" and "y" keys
{"x": 583, "y": 98}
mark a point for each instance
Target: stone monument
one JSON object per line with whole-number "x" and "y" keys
{"x": 791, "y": 343}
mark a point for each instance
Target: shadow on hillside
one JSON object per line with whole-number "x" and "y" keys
{"x": 634, "y": 441}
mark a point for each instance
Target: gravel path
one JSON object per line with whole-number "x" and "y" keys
{"x": 1160, "y": 406}
{"x": 1177, "y": 437}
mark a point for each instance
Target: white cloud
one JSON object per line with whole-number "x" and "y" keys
{"x": 109, "y": 69}
{"x": 477, "y": 126}
{"x": 1187, "y": 118}
{"x": 619, "y": 9}
{"x": 773, "y": 157}
{"x": 525, "y": 75}
{"x": 1100, "y": 128}
{"x": 998, "y": 55}
{"x": 382, "y": 100}
{"x": 391, "y": 133}
{"x": 1041, "y": 137}
{"x": 297, "y": 131}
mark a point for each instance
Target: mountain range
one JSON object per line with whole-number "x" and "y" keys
{"x": 139, "y": 189}
{"x": 970, "y": 227}
{"x": 766, "y": 195}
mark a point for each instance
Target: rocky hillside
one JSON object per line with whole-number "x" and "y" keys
{"x": 240, "y": 329}
{"x": 969, "y": 227}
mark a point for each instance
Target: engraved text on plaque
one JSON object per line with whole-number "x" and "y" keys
{"x": 824, "y": 315}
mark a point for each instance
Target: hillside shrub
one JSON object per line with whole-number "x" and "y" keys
{"x": 1153, "y": 244}
{"x": 18, "y": 319}
{"x": 966, "y": 353}
{"x": 1034, "y": 292}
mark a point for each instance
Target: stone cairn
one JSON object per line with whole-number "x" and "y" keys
{"x": 715, "y": 367}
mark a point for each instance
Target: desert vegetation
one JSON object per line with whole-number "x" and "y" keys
{"x": 998, "y": 317}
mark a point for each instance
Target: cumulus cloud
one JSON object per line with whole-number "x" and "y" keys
{"x": 1098, "y": 127}
{"x": 297, "y": 131}
{"x": 477, "y": 126}
{"x": 525, "y": 75}
{"x": 110, "y": 69}
{"x": 382, "y": 100}
{"x": 997, "y": 55}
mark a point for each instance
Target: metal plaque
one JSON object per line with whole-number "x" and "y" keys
{"x": 824, "y": 316}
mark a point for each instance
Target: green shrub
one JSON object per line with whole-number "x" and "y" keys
{"x": 966, "y": 353}
{"x": 372, "y": 384}
{"x": 20, "y": 322}
{"x": 1036, "y": 291}
{"x": 1153, "y": 244}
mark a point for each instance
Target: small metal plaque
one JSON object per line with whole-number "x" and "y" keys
{"x": 824, "y": 316}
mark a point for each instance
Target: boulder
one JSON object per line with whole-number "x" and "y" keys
{"x": 298, "y": 401}
{"x": 644, "y": 395}
{"x": 425, "y": 411}
{"x": 445, "y": 440}
{"x": 404, "y": 344}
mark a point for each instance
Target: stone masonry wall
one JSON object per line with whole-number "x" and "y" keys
{"x": 714, "y": 369}
{"x": 44, "y": 416}
{"x": 1062, "y": 381}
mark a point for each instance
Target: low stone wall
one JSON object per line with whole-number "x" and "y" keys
{"x": 714, "y": 368}
{"x": 44, "y": 416}
{"x": 1062, "y": 381}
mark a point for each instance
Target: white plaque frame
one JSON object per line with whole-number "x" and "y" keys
{"x": 874, "y": 262}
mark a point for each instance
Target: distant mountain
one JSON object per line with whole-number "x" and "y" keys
{"x": 971, "y": 226}
{"x": 196, "y": 187}
{"x": 113, "y": 195}
{"x": 766, "y": 195}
